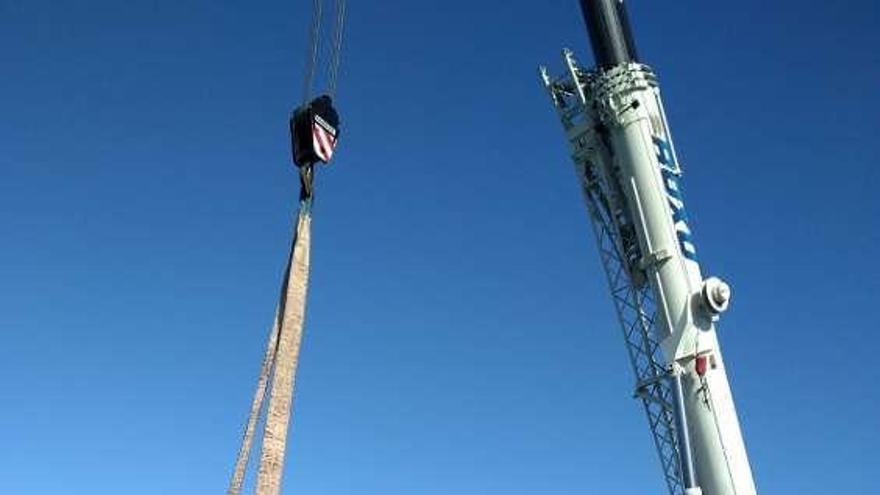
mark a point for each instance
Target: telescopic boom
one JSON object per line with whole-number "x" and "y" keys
{"x": 609, "y": 31}
{"x": 622, "y": 148}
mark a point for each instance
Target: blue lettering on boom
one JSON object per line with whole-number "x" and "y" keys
{"x": 674, "y": 197}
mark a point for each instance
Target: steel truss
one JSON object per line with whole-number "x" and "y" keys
{"x": 618, "y": 250}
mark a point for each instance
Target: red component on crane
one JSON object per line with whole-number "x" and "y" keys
{"x": 701, "y": 365}
{"x": 314, "y": 131}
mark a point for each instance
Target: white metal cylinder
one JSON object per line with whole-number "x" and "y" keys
{"x": 627, "y": 100}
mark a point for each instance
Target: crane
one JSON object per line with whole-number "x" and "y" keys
{"x": 619, "y": 137}
{"x": 314, "y": 133}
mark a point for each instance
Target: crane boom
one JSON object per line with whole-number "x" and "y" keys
{"x": 616, "y": 126}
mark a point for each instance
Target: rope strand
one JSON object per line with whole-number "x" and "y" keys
{"x": 312, "y": 54}
{"x": 337, "y": 47}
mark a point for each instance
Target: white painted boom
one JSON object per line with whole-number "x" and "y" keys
{"x": 623, "y": 151}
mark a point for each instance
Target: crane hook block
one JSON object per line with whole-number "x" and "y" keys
{"x": 314, "y": 130}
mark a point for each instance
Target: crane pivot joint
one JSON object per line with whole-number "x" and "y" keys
{"x": 715, "y": 295}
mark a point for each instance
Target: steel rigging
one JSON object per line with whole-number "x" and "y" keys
{"x": 314, "y": 132}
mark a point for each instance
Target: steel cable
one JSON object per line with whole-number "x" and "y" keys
{"x": 312, "y": 54}
{"x": 336, "y": 47}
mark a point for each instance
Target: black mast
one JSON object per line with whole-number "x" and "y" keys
{"x": 610, "y": 34}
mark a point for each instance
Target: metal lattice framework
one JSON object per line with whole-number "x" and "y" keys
{"x": 633, "y": 298}
{"x": 635, "y": 311}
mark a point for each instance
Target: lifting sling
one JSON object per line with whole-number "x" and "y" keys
{"x": 314, "y": 131}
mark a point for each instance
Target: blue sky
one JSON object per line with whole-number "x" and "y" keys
{"x": 459, "y": 338}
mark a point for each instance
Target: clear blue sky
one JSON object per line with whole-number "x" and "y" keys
{"x": 460, "y": 338}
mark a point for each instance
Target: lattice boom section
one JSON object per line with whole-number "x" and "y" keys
{"x": 633, "y": 303}
{"x": 636, "y": 314}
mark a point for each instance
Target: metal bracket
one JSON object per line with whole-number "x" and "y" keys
{"x": 654, "y": 258}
